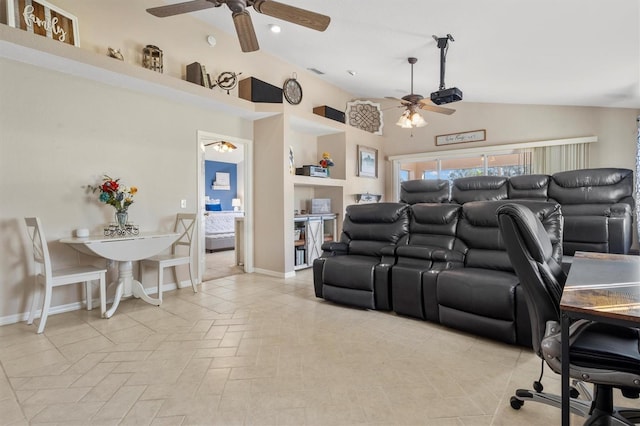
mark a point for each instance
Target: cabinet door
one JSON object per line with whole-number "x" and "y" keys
{"x": 300, "y": 244}
{"x": 314, "y": 239}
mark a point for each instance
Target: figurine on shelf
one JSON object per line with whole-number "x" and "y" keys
{"x": 326, "y": 161}
{"x": 115, "y": 53}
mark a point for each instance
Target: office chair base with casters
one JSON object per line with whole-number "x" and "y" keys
{"x": 580, "y": 407}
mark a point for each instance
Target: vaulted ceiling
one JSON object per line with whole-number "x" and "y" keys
{"x": 569, "y": 52}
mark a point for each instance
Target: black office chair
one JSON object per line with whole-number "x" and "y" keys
{"x": 606, "y": 356}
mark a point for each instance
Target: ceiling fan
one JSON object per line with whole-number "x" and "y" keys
{"x": 412, "y": 102}
{"x": 242, "y": 19}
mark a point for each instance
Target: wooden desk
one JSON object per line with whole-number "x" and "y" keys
{"x": 600, "y": 287}
{"x": 124, "y": 250}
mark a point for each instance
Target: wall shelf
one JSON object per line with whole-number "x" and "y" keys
{"x": 300, "y": 180}
{"x": 21, "y": 46}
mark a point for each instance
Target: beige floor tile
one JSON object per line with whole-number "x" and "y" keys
{"x": 167, "y": 421}
{"x": 105, "y": 390}
{"x": 57, "y": 396}
{"x": 11, "y": 412}
{"x": 77, "y": 350}
{"x": 63, "y": 413}
{"x": 49, "y": 382}
{"x": 142, "y": 413}
{"x": 120, "y": 403}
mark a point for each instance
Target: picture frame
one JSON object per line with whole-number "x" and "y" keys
{"x": 462, "y": 137}
{"x": 222, "y": 182}
{"x": 44, "y": 19}
{"x": 367, "y": 161}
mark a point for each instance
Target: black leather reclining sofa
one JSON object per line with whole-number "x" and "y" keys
{"x": 597, "y": 204}
{"x": 437, "y": 255}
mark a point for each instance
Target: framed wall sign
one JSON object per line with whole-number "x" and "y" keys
{"x": 452, "y": 138}
{"x": 367, "y": 162}
{"x": 45, "y": 19}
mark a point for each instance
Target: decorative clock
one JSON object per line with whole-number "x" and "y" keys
{"x": 292, "y": 90}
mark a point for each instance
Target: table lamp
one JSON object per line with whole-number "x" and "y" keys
{"x": 235, "y": 202}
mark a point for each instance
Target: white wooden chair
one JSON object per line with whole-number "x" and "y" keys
{"x": 49, "y": 278}
{"x": 185, "y": 225}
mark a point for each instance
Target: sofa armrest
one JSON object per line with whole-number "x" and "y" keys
{"x": 620, "y": 218}
{"x": 436, "y": 254}
{"x": 388, "y": 257}
{"x": 334, "y": 248}
{"x": 444, "y": 255}
{"x": 620, "y": 209}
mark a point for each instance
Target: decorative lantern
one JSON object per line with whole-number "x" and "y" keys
{"x": 152, "y": 58}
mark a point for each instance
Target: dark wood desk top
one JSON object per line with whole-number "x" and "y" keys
{"x": 605, "y": 285}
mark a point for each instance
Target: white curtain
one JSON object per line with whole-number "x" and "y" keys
{"x": 637, "y": 179}
{"x": 552, "y": 159}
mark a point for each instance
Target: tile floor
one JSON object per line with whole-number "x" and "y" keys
{"x": 249, "y": 349}
{"x": 221, "y": 264}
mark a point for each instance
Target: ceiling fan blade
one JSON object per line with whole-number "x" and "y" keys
{"x": 293, "y": 14}
{"x": 434, "y": 108}
{"x": 180, "y": 8}
{"x": 245, "y": 31}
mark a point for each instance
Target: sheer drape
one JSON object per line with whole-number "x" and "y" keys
{"x": 552, "y": 159}
{"x": 638, "y": 180}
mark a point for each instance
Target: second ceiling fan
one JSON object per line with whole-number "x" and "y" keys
{"x": 242, "y": 19}
{"x": 412, "y": 102}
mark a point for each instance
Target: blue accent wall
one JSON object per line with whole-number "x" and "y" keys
{"x": 210, "y": 169}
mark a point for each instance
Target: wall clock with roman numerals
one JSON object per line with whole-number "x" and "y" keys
{"x": 292, "y": 90}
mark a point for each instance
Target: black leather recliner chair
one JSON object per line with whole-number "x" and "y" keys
{"x": 425, "y": 191}
{"x": 432, "y": 247}
{"x": 597, "y": 208}
{"x": 485, "y": 297}
{"x": 356, "y": 270}
{"x": 607, "y": 356}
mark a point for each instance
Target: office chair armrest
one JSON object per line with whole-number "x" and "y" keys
{"x": 551, "y": 345}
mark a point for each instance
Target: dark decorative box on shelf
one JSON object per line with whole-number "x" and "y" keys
{"x": 328, "y": 112}
{"x": 255, "y": 90}
{"x": 194, "y": 74}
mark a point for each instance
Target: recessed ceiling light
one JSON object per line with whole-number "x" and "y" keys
{"x": 275, "y": 28}
{"x": 211, "y": 40}
{"x": 352, "y": 72}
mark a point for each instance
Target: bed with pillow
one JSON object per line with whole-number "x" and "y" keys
{"x": 219, "y": 228}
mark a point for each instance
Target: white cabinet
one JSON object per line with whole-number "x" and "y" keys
{"x": 310, "y": 231}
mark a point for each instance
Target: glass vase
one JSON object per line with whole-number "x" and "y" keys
{"x": 121, "y": 218}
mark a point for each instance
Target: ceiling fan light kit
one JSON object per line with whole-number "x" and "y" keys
{"x": 242, "y": 19}
{"x": 222, "y": 146}
{"x": 410, "y": 119}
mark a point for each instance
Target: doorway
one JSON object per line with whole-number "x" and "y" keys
{"x": 225, "y": 259}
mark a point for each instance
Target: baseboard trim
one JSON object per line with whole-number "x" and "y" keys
{"x": 274, "y": 273}
{"x": 76, "y": 306}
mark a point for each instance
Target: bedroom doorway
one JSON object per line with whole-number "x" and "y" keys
{"x": 224, "y": 181}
